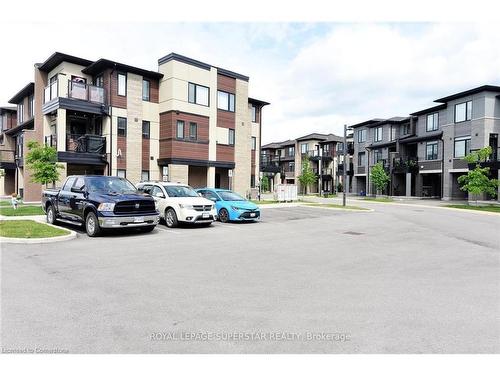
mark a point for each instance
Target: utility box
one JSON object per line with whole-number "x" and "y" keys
{"x": 285, "y": 193}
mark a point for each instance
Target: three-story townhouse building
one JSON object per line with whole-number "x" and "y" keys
{"x": 189, "y": 122}
{"x": 424, "y": 152}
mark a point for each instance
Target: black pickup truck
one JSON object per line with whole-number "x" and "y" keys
{"x": 100, "y": 202}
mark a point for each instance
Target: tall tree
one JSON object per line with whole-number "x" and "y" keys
{"x": 307, "y": 176}
{"x": 42, "y": 161}
{"x": 379, "y": 177}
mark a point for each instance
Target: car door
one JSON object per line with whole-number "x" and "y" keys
{"x": 210, "y": 195}
{"x": 159, "y": 196}
{"x": 64, "y": 199}
{"x": 77, "y": 199}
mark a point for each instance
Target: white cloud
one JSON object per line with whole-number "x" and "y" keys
{"x": 316, "y": 76}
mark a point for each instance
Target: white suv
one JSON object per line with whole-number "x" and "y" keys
{"x": 179, "y": 203}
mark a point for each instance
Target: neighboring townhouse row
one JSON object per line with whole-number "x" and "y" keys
{"x": 190, "y": 122}
{"x": 282, "y": 162}
{"x": 423, "y": 153}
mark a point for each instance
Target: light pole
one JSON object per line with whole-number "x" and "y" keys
{"x": 344, "y": 168}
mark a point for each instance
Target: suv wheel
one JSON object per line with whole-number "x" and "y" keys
{"x": 223, "y": 215}
{"x": 51, "y": 215}
{"x": 92, "y": 225}
{"x": 171, "y": 218}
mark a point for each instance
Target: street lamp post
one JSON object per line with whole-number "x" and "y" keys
{"x": 344, "y": 169}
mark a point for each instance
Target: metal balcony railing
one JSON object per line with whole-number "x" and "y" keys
{"x": 405, "y": 164}
{"x": 94, "y": 144}
{"x": 51, "y": 141}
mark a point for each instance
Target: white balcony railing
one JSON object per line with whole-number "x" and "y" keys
{"x": 76, "y": 90}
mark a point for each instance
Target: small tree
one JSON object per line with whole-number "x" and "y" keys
{"x": 42, "y": 161}
{"x": 477, "y": 180}
{"x": 307, "y": 176}
{"x": 379, "y": 177}
{"x": 264, "y": 183}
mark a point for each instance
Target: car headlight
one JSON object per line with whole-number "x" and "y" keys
{"x": 186, "y": 206}
{"x": 106, "y": 207}
{"x": 234, "y": 208}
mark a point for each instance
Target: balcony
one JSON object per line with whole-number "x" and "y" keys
{"x": 76, "y": 96}
{"x": 405, "y": 165}
{"x": 270, "y": 163}
{"x": 87, "y": 143}
{"x": 492, "y": 162}
{"x": 7, "y": 159}
{"x": 340, "y": 170}
{"x": 315, "y": 155}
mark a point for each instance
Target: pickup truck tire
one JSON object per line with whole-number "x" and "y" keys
{"x": 51, "y": 215}
{"x": 171, "y": 218}
{"x": 92, "y": 225}
{"x": 223, "y": 215}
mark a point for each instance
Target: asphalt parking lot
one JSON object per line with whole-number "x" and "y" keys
{"x": 400, "y": 279}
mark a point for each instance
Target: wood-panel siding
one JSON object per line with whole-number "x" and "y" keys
{"x": 226, "y": 119}
{"x": 121, "y": 162}
{"x": 225, "y": 153}
{"x": 145, "y": 154}
{"x": 227, "y": 84}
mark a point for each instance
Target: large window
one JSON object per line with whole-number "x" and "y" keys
{"x": 431, "y": 151}
{"x": 393, "y": 133}
{"x": 198, "y": 94}
{"x": 432, "y": 122}
{"x": 377, "y": 156}
{"x": 303, "y": 148}
{"x": 180, "y": 129}
{"x": 193, "y": 131}
{"x": 231, "y": 137}
{"x": 463, "y": 111}
{"x": 145, "y": 176}
{"x": 146, "y": 129}
{"x": 378, "y": 134}
{"x": 291, "y": 151}
{"x": 405, "y": 129}
{"x": 225, "y": 101}
{"x": 122, "y": 126}
{"x": 146, "y": 90}
{"x": 254, "y": 143}
{"x": 122, "y": 84}
{"x": 361, "y": 135}
{"x": 254, "y": 113}
{"x": 361, "y": 158}
{"x": 462, "y": 147}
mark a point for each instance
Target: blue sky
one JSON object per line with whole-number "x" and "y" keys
{"x": 317, "y": 76}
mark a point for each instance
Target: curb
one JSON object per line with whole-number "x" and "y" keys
{"x": 71, "y": 236}
{"x": 341, "y": 209}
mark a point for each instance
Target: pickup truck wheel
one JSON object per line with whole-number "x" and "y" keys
{"x": 171, "y": 218}
{"x": 223, "y": 215}
{"x": 92, "y": 225}
{"x": 51, "y": 215}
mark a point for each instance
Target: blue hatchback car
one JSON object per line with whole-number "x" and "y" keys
{"x": 231, "y": 206}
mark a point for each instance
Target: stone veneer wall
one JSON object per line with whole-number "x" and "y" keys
{"x": 243, "y": 133}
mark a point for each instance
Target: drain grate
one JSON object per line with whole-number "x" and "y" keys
{"x": 354, "y": 233}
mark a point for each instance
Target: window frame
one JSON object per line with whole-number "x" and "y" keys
{"x": 193, "y": 125}
{"x": 231, "y": 139}
{"x": 435, "y": 122}
{"x": 195, "y": 85}
{"x": 361, "y": 153}
{"x": 253, "y": 144}
{"x": 118, "y": 74}
{"x": 304, "y": 150}
{"x": 432, "y": 144}
{"x": 31, "y": 106}
{"x": 121, "y": 170}
{"x": 361, "y": 135}
{"x": 254, "y": 113}
{"x": 468, "y": 107}
{"x": 123, "y": 128}
{"x": 376, "y": 134}
{"x": 148, "y": 134}
{"x": 377, "y": 156}
{"x": 228, "y": 102}
{"x": 142, "y": 172}
{"x": 20, "y": 113}
{"x": 467, "y": 141}
{"x": 179, "y": 122}
{"x": 148, "y": 99}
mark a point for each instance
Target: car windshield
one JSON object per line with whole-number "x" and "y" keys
{"x": 110, "y": 185}
{"x": 179, "y": 191}
{"x": 230, "y": 196}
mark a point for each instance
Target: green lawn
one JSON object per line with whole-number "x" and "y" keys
{"x": 22, "y": 210}
{"x": 381, "y": 199}
{"x": 489, "y": 208}
{"x": 332, "y": 205}
{"x": 28, "y": 229}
